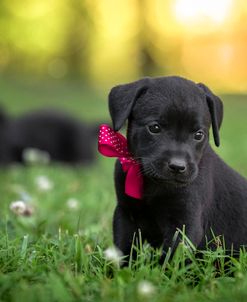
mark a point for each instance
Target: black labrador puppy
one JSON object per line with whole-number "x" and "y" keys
{"x": 63, "y": 137}
{"x": 185, "y": 182}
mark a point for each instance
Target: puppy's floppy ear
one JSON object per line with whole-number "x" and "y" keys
{"x": 122, "y": 99}
{"x": 215, "y": 106}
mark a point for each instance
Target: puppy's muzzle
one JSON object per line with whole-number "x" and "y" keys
{"x": 171, "y": 169}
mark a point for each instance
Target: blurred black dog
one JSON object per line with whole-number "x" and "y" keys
{"x": 64, "y": 138}
{"x": 185, "y": 182}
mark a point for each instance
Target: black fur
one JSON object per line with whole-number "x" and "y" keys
{"x": 185, "y": 182}
{"x": 65, "y": 139}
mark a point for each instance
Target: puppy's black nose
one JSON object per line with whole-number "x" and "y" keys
{"x": 177, "y": 165}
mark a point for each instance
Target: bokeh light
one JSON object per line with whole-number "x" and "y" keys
{"x": 193, "y": 12}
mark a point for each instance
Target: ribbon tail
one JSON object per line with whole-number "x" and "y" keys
{"x": 134, "y": 182}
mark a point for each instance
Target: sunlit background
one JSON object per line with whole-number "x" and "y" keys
{"x": 105, "y": 42}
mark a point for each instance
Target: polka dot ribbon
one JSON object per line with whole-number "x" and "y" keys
{"x": 114, "y": 144}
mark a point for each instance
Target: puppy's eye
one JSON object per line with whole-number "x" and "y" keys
{"x": 154, "y": 128}
{"x": 199, "y": 135}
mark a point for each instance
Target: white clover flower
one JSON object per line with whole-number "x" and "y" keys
{"x": 114, "y": 255}
{"x": 72, "y": 203}
{"x": 35, "y": 156}
{"x": 145, "y": 288}
{"x": 44, "y": 183}
{"x": 20, "y": 208}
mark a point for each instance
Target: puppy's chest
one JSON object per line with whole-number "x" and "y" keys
{"x": 156, "y": 223}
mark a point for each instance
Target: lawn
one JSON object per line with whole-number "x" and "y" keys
{"x": 58, "y": 253}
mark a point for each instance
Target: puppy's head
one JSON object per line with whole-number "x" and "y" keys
{"x": 168, "y": 129}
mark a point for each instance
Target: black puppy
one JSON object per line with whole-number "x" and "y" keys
{"x": 64, "y": 138}
{"x": 185, "y": 182}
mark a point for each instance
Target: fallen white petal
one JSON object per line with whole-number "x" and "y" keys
{"x": 72, "y": 203}
{"x": 145, "y": 288}
{"x": 43, "y": 183}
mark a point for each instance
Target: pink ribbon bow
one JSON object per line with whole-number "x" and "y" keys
{"x": 114, "y": 144}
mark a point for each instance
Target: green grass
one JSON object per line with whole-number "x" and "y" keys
{"x": 57, "y": 254}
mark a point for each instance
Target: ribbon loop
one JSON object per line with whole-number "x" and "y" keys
{"x": 114, "y": 144}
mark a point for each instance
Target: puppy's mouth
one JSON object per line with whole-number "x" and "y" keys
{"x": 172, "y": 180}
{"x": 177, "y": 180}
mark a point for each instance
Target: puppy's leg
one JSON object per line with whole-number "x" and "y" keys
{"x": 173, "y": 235}
{"x": 124, "y": 229}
